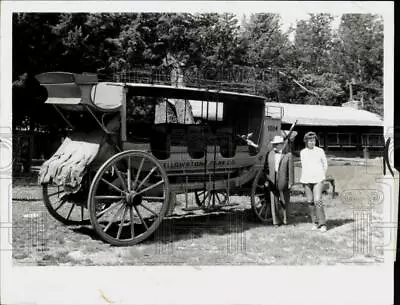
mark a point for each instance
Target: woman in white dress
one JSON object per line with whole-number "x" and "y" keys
{"x": 313, "y": 171}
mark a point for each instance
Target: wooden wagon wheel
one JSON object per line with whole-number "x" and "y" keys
{"x": 211, "y": 199}
{"x": 260, "y": 198}
{"x": 70, "y": 209}
{"x": 134, "y": 186}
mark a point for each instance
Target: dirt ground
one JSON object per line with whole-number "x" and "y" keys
{"x": 229, "y": 237}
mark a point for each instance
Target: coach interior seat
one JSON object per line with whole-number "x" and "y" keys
{"x": 197, "y": 141}
{"x": 227, "y": 142}
{"x": 160, "y": 142}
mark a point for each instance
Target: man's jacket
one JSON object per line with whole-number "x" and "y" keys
{"x": 285, "y": 175}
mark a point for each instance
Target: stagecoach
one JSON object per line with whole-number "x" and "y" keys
{"x": 136, "y": 146}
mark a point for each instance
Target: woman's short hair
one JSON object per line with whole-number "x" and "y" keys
{"x": 310, "y": 135}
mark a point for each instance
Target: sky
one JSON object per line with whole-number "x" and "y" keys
{"x": 289, "y": 19}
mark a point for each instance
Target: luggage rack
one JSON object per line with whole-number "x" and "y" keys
{"x": 163, "y": 77}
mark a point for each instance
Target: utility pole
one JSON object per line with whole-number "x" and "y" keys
{"x": 351, "y": 92}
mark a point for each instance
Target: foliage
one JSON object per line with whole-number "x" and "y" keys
{"x": 328, "y": 90}
{"x": 313, "y": 42}
{"x": 268, "y": 46}
{"x": 359, "y": 53}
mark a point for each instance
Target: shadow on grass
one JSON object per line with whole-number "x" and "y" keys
{"x": 334, "y": 223}
{"x": 192, "y": 226}
{"x": 86, "y": 230}
{"x": 221, "y": 223}
{"x": 196, "y": 226}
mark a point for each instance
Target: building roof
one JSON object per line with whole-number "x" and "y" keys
{"x": 323, "y": 115}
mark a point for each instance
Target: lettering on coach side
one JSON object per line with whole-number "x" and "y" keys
{"x": 193, "y": 163}
{"x": 272, "y": 128}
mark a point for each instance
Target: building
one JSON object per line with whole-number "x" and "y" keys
{"x": 342, "y": 131}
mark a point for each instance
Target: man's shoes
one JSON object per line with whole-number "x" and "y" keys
{"x": 323, "y": 228}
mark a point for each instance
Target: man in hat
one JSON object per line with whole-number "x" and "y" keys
{"x": 279, "y": 170}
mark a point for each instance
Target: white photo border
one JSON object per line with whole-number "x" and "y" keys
{"x": 187, "y": 284}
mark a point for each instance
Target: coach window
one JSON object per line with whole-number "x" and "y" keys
{"x": 140, "y": 111}
{"x": 208, "y": 116}
{"x": 146, "y": 119}
{"x": 244, "y": 118}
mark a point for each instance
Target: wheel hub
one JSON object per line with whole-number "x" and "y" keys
{"x": 133, "y": 199}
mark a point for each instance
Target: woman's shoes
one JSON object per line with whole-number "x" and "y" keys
{"x": 323, "y": 228}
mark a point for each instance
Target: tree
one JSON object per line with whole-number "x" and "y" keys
{"x": 270, "y": 49}
{"x": 35, "y": 46}
{"x": 313, "y": 43}
{"x": 360, "y": 48}
{"x": 214, "y": 41}
{"x": 268, "y": 46}
{"x": 89, "y": 40}
{"x": 358, "y": 56}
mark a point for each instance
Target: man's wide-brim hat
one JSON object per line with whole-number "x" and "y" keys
{"x": 310, "y": 135}
{"x": 277, "y": 140}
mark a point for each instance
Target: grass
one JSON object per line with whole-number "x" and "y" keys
{"x": 230, "y": 238}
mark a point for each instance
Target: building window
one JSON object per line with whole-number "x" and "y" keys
{"x": 332, "y": 140}
{"x": 342, "y": 139}
{"x": 321, "y": 139}
{"x": 372, "y": 140}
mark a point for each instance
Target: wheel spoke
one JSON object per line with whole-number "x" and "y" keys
{"x": 147, "y": 177}
{"x": 70, "y": 211}
{"x": 129, "y": 174}
{"x": 148, "y": 209}
{"x": 113, "y": 218}
{"x": 208, "y": 199}
{"x": 140, "y": 217}
{"x": 266, "y": 209}
{"x": 132, "y": 223}
{"x": 63, "y": 200}
{"x": 150, "y": 187}
{"x": 121, "y": 224}
{"x": 201, "y": 196}
{"x": 202, "y": 199}
{"x": 112, "y": 206}
{"x": 82, "y": 212}
{"x": 120, "y": 178}
{"x": 263, "y": 207}
{"x": 138, "y": 173}
{"x": 266, "y": 212}
{"x": 112, "y": 185}
{"x": 56, "y": 193}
